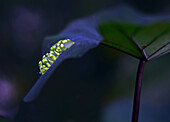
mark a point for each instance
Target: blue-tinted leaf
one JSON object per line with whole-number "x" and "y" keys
{"x": 112, "y": 27}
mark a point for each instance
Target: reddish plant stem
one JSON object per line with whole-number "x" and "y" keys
{"x": 136, "y": 102}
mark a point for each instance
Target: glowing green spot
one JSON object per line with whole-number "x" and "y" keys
{"x": 58, "y": 49}
{"x": 48, "y": 64}
{"x": 51, "y": 61}
{"x": 64, "y": 41}
{"x": 43, "y": 66}
{"x": 51, "y": 52}
{"x": 62, "y": 45}
{"x": 57, "y": 53}
{"x": 53, "y": 47}
{"x": 40, "y": 63}
{"x": 45, "y": 60}
{"x": 44, "y": 56}
{"x": 46, "y": 68}
{"x": 50, "y": 55}
{"x": 42, "y": 71}
{"x": 53, "y": 58}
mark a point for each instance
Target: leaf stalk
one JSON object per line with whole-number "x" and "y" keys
{"x": 137, "y": 94}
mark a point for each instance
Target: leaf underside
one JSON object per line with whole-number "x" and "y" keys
{"x": 144, "y": 42}
{"x": 142, "y": 36}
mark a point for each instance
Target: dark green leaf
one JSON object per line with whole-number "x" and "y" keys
{"x": 142, "y": 41}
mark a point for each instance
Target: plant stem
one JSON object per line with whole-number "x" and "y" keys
{"x": 136, "y": 102}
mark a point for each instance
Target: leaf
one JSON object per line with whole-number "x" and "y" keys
{"x": 121, "y": 28}
{"x": 85, "y": 37}
{"x": 115, "y": 37}
{"x": 142, "y": 41}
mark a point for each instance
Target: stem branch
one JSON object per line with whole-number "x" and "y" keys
{"x": 136, "y": 102}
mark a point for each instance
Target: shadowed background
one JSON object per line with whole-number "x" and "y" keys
{"x": 97, "y": 87}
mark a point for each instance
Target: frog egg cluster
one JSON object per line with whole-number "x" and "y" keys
{"x": 55, "y": 51}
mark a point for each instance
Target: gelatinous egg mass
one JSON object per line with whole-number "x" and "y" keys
{"x": 55, "y": 51}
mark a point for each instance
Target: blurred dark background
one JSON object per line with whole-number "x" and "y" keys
{"x": 97, "y": 87}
